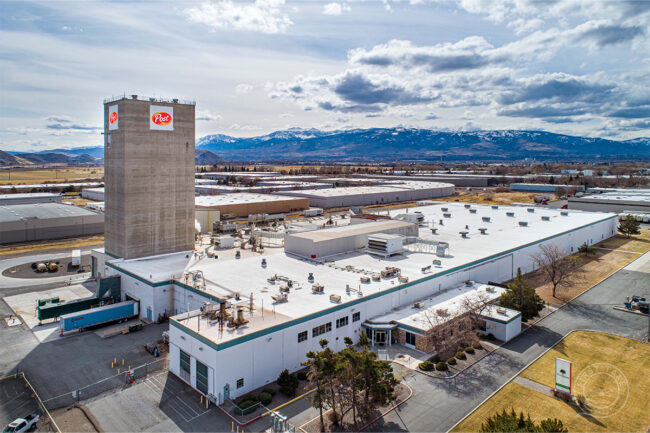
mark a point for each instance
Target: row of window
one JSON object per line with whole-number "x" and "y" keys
{"x": 327, "y": 327}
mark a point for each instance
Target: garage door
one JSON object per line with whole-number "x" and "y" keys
{"x": 202, "y": 377}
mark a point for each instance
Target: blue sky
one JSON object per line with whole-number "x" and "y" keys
{"x": 580, "y": 67}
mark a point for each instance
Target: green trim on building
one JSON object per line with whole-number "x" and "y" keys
{"x": 297, "y": 321}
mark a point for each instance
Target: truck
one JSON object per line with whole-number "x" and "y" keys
{"x": 99, "y": 316}
{"x": 20, "y": 425}
{"x": 76, "y": 258}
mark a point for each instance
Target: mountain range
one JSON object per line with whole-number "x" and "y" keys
{"x": 379, "y": 144}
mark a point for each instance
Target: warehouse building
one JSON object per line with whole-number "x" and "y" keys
{"x": 244, "y": 204}
{"x": 96, "y": 194}
{"x": 48, "y": 186}
{"x": 260, "y": 188}
{"x": 367, "y": 195}
{"x": 618, "y": 200}
{"x": 277, "y": 309}
{"x": 29, "y": 198}
{"x": 544, "y": 187}
{"x": 40, "y": 221}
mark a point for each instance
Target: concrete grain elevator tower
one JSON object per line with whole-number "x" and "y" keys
{"x": 149, "y": 176}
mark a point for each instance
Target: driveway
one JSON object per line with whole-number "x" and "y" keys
{"x": 438, "y": 404}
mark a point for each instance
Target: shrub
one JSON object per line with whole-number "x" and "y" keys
{"x": 451, "y": 361}
{"x": 478, "y": 346}
{"x": 288, "y": 383}
{"x": 302, "y": 375}
{"x": 435, "y": 359}
{"x": 246, "y": 406}
{"x": 426, "y": 366}
{"x": 265, "y": 398}
{"x": 461, "y": 355}
{"x": 269, "y": 391}
{"x": 470, "y": 350}
{"x": 441, "y": 366}
{"x": 248, "y": 397}
{"x": 491, "y": 337}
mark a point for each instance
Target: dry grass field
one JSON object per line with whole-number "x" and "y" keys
{"x": 38, "y": 247}
{"x": 610, "y": 256}
{"x": 50, "y": 175}
{"x": 606, "y": 371}
{"x": 78, "y": 201}
{"x": 490, "y": 197}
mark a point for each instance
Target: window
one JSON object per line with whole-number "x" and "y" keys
{"x": 343, "y": 321}
{"x": 202, "y": 377}
{"x": 302, "y": 336}
{"x": 410, "y": 339}
{"x": 356, "y": 317}
{"x": 185, "y": 366}
{"x": 327, "y": 327}
{"x": 240, "y": 383}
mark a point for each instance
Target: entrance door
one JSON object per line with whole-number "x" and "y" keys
{"x": 380, "y": 337}
{"x": 185, "y": 366}
{"x": 149, "y": 313}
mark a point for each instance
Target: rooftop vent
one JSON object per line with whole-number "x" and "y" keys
{"x": 531, "y": 210}
{"x": 494, "y": 206}
{"x": 491, "y": 289}
{"x": 546, "y": 218}
{"x": 469, "y": 283}
{"x": 441, "y": 223}
{"x": 446, "y": 215}
{"x": 134, "y": 96}
{"x": 510, "y": 214}
{"x": 523, "y": 223}
{"x": 426, "y": 269}
{"x": 564, "y": 213}
{"x": 483, "y": 230}
{"x": 175, "y": 101}
{"x": 418, "y": 305}
{"x": 466, "y": 227}
{"x": 310, "y": 278}
{"x": 444, "y": 209}
{"x": 463, "y": 234}
{"x": 467, "y": 206}
{"x": 472, "y": 211}
{"x": 501, "y": 310}
{"x": 436, "y": 262}
{"x": 486, "y": 219}
{"x": 434, "y": 231}
{"x": 152, "y": 99}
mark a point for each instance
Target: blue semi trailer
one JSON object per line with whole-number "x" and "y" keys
{"x": 99, "y": 316}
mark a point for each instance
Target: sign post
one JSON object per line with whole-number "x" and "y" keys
{"x": 563, "y": 375}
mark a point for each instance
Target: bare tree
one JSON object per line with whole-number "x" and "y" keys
{"x": 560, "y": 192}
{"x": 557, "y": 268}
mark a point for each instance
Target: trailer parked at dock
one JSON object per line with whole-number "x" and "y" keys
{"x": 99, "y": 316}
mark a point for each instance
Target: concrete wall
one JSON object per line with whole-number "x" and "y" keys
{"x": 149, "y": 178}
{"x": 96, "y": 194}
{"x": 51, "y": 228}
{"x": 260, "y": 360}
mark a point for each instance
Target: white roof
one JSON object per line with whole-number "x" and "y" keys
{"x": 451, "y": 301}
{"x": 500, "y": 314}
{"x": 373, "y": 189}
{"x": 238, "y": 198}
{"x": 28, "y": 195}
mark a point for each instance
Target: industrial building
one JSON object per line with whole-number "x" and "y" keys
{"x": 244, "y": 204}
{"x": 48, "y": 186}
{"x": 40, "y": 221}
{"x": 149, "y": 172}
{"x": 367, "y": 195}
{"x": 96, "y": 194}
{"x": 543, "y": 187}
{"x": 28, "y": 198}
{"x": 230, "y": 313}
{"x": 261, "y": 188}
{"x": 613, "y": 200}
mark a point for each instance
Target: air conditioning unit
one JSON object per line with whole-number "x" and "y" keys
{"x": 318, "y": 288}
{"x": 501, "y": 310}
{"x": 490, "y": 289}
{"x": 384, "y": 244}
{"x": 418, "y": 305}
{"x": 335, "y": 298}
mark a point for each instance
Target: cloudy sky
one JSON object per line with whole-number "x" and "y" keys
{"x": 570, "y": 66}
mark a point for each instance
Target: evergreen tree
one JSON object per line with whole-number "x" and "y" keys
{"x": 511, "y": 422}
{"x": 520, "y": 296}
{"x": 629, "y": 226}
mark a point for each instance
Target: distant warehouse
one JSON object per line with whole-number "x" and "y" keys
{"x": 39, "y": 221}
{"x": 244, "y": 204}
{"x": 367, "y": 195}
{"x": 543, "y": 187}
{"x": 96, "y": 194}
{"x": 27, "y": 198}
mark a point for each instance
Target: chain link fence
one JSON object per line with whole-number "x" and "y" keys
{"x": 122, "y": 380}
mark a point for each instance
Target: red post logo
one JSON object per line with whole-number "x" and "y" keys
{"x": 112, "y": 118}
{"x": 161, "y": 118}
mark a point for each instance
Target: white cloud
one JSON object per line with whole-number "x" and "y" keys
{"x": 263, "y": 16}
{"x": 243, "y": 88}
{"x": 207, "y": 116}
{"x": 336, "y": 8}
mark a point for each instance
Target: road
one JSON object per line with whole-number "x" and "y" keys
{"x": 12, "y": 286}
{"x": 438, "y": 404}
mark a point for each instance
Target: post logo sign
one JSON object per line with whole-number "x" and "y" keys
{"x": 563, "y": 375}
{"x": 161, "y": 118}
{"x": 112, "y": 117}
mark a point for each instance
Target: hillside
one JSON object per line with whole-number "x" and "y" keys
{"x": 205, "y": 157}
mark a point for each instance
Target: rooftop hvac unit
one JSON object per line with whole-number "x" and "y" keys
{"x": 318, "y": 288}
{"x": 501, "y": 310}
{"x": 510, "y": 214}
{"x": 436, "y": 262}
{"x": 486, "y": 219}
{"x": 403, "y": 279}
{"x": 418, "y": 305}
{"x": 384, "y": 244}
{"x": 335, "y": 298}
{"x": 494, "y": 206}
{"x": 564, "y": 213}
{"x": 441, "y": 249}
{"x": 444, "y": 209}
{"x": 280, "y": 297}
{"x": 467, "y": 206}
{"x": 434, "y": 231}
{"x": 472, "y": 211}
{"x": 463, "y": 234}
{"x": 523, "y": 223}
{"x": 364, "y": 279}
{"x": 483, "y": 230}
{"x": 490, "y": 289}
{"x": 531, "y": 210}
{"x": 546, "y": 218}
{"x": 446, "y": 215}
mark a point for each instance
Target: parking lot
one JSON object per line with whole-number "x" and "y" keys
{"x": 17, "y": 401}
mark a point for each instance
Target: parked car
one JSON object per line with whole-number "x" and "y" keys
{"x": 20, "y": 425}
